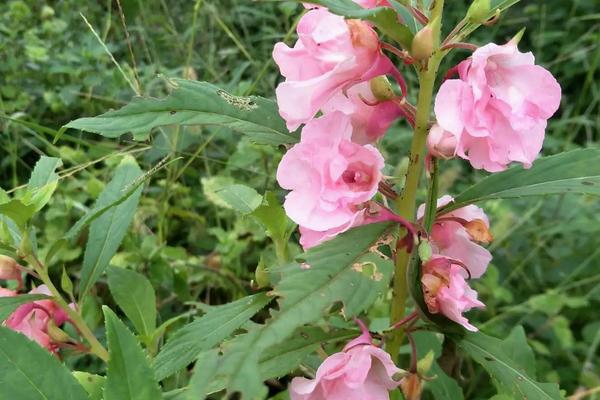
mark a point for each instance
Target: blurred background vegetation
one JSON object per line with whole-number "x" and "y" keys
{"x": 54, "y": 67}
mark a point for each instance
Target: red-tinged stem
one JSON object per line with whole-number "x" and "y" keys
{"x": 460, "y": 45}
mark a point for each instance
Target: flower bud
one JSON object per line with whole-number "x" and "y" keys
{"x": 381, "y": 88}
{"x": 362, "y": 35}
{"x": 478, "y": 11}
{"x": 422, "y": 44}
{"x": 425, "y": 250}
{"x": 441, "y": 143}
{"x": 9, "y": 269}
{"x": 261, "y": 275}
{"x": 411, "y": 387}
{"x": 478, "y": 231}
{"x": 56, "y": 334}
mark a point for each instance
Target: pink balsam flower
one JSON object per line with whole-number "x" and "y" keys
{"x": 370, "y": 118}
{"x": 361, "y": 371}
{"x": 498, "y": 109}
{"x": 331, "y": 55}
{"x": 447, "y": 292}
{"x": 328, "y": 175}
{"x": 32, "y": 319}
{"x": 455, "y": 235}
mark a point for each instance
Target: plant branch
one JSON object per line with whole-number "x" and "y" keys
{"x": 406, "y": 203}
{"x": 77, "y": 320}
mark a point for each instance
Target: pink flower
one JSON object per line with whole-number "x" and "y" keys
{"x": 361, "y": 371}
{"x": 454, "y": 235}
{"x": 441, "y": 143}
{"x": 498, "y": 109}
{"x": 328, "y": 175}
{"x": 447, "y": 292}
{"x": 371, "y": 213}
{"x": 330, "y": 56}
{"x": 369, "y": 121}
{"x": 31, "y": 319}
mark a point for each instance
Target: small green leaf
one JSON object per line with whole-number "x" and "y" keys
{"x": 18, "y": 212}
{"x": 206, "y": 332}
{"x": 9, "y": 304}
{"x": 273, "y": 217}
{"x": 129, "y": 376}
{"x": 576, "y": 171}
{"x": 193, "y": 103}
{"x": 44, "y": 172}
{"x": 134, "y": 293}
{"x": 65, "y": 283}
{"x": 224, "y": 193}
{"x": 385, "y": 18}
{"x": 29, "y": 372}
{"x": 510, "y": 363}
{"x": 108, "y": 230}
{"x": 93, "y": 384}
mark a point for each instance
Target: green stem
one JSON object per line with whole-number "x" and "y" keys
{"x": 406, "y": 203}
{"x": 77, "y": 320}
{"x": 432, "y": 196}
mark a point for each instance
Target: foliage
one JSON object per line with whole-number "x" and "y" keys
{"x": 174, "y": 251}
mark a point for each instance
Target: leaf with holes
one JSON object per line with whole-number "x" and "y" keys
{"x": 193, "y": 103}
{"x": 341, "y": 270}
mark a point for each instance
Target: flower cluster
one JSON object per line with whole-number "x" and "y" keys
{"x": 38, "y": 320}
{"x": 494, "y": 114}
{"x": 335, "y": 170}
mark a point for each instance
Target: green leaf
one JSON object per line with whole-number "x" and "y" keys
{"x": 44, "y": 172}
{"x": 193, "y": 103}
{"x": 283, "y": 358}
{"x": 29, "y": 372}
{"x": 108, "y": 230}
{"x": 18, "y": 212}
{"x": 224, "y": 193}
{"x": 341, "y": 270}
{"x": 385, "y": 18}
{"x": 575, "y": 171}
{"x": 93, "y": 384}
{"x": 203, "y": 373}
{"x": 9, "y": 304}
{"x": 206, "y": 332}
{"x": 510, "y": 363}
{"x": 273, "y": 217}
{"x": 42, "y": 183}
{"x": 129, "y": 376}
{"x": 134, "y": 293}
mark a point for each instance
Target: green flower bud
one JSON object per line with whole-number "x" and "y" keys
{"x": 381, "y": 88}
{"x": 261, "y": 275}
{"x": 425, "y": 250}
{"x": 479, "y": 11}
{"x": 422, "y": 44}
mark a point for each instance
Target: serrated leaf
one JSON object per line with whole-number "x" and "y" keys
{"x": 129, "y": 376}
{"x": 385, "y": 18}
{"x": 18, "y": 212}
{"x": 203, "y": 373}
{"x": 223, "y": 192}
{"x": 339, "y": 270}
{"x": 42, "y": 183}
{"x": 206, "y": 332}
{"x": 193, "y": 103}
{"x": 576, "y": 171}
{"x": 29, "y": 372}
{"x": 9, "y": 304}
{"x": 93, "y": 384}
{"x": 134, "y": 294}
{"x": 510, "y": 364}
{"x": 108, "y": 230}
